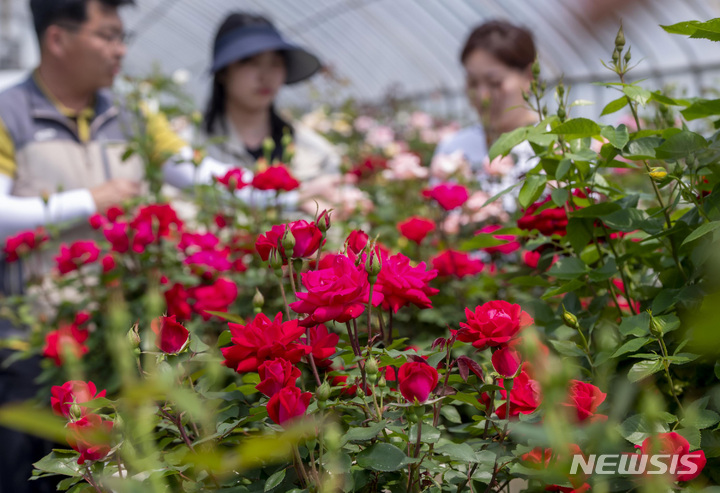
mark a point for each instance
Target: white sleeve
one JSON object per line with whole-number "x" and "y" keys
{"x": 181, "y": 173}
{"x": 23, "y": 213}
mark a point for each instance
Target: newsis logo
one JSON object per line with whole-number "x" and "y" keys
{"x": 635, "y": 464}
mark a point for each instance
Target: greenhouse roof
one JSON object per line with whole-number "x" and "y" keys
{"x": 409, "y": 48}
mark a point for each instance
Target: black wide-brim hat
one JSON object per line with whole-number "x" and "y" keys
{"x": 248, "y": 41}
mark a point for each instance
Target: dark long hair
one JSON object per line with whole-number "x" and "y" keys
{"x": 510, "y": 44}
{"x": 215, "y": 108}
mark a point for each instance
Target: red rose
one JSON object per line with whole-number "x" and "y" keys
{"x": 263, "y": 339}
{"x": 550, "y": 221}
{"x": 493, "y": 324}
{"x": 448, "y": 195}
{"x": 506, "y": 361}
{"x": 525, "y": 396}
{"x": 675, "y": 444}
{"x": 216, "y": 297}
{"x": 97, "y": 221}
{"x": 506, "y": 248}
{"x": 531, "y": 258}
{"x": 369, "y": 166}
{"x": 72, "y": 392}
{"x": 172, "y": 337}
{"x": 356, "y": 241}
{"x": 209, "y": 262}
{"x": 68, "y": 338}
{"x": 287, "y": 404}
{"x": 456, "y": 264}
{"x": 402, "y": 284}
{"x": 114, "y": 212}
{"x": 194, "y": 242}
{"x": 177, "y": 305}
{"x": 338, "y": 293}
{"x": 160, "y": 217}
{"x": 416, "y": 228}
{"x": 233, "y": 179}
{"x": 108, "y": 263}
{"x": 275, "y": 178}
{"x": 270, "y": 241}
{"x": 276, "y": 374}
{"x": 416, "y": 381}
{"x": 585, "y": 398}
{"x": 22, "y": 243}
{"x": 539, "y": 458}
{"x": 117, "y": 235}
{"x": 307, "y": 238}
{"x": 323, "y": 344}
{"x": 76, "y": 255}
{"x": 90, "y": 436}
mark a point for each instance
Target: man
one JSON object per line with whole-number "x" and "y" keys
{"x": 61, "y": 138}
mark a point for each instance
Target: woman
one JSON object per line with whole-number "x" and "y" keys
{"x": 497, "y": 58}
{"x": 251, "y": 62}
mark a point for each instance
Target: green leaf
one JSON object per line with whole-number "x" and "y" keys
{"x": 631, "y": 346}
{"x": 458, "y": 451}
{"x": 717, "y": 370}
{"x": 702, "y": 109}
{"x": 230, "y": 317}
{"x": 597, "y": 210}
{"x": 568, "y": 348}
{"x": 618, "y": 137}
{"x": 644, "y": 369}
{"x": 578, "y": 234}
{"x": 467, "y": 399}
{"x": 573, "y": 285}
{"x": 532, "y": 189}
{"x": 637, "y": 94}
{"x": 451, "y": 414}
{"x": 577, "y": 128}
{"x": 666, "y": 100}
{"x": 429, "y": 433}
{"x": 359, "y": 433}
{"x": 58, "y": 463}
{"x": 559, "y": 196}
{"x": 637, "y": 428}
{"x": 382, "y": 457}
{"x": 680, "y": 145}
{"x": 687, "y": 27}
{"x": 702, "y": 231}
{"x": 700, "y": 419}
{"x": 642, "y": 148}
{"x": 482, "y": 240}
{"x": 615, "y": 105}
{"x": 636, "y": 325}
{"x": 507, "y": 141}
{"x": 605, "y": 272}
{"x": 562, "y": 169}
{"x": 568, "y": 268}
{"x": 274, "y": 480}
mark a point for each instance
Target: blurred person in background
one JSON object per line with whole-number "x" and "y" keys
{"x": 251, "y": 62}
{"x": 497, "y": 58}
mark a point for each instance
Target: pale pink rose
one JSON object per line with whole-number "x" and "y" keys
{"x": 364, "y": 123}
{"x": 405, "y": 166}
{"x": 500, "y": 166}
{"x": 380, "y": 136}
{"x": 429, "y": 136}
{"x": 421, "y": 120}
{"x": 396, "y": 147}
{"x": 452, "y": 223}
{"x": 353, "y": 201}
{"x": 443, "y": 166}
{"x": 477, "y": 213}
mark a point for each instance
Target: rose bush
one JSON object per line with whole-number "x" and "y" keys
{"x": 381, "y": 354}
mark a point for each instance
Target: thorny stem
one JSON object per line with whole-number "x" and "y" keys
{"x": 282, "y": 291}
{"x": 311, "y": 359}
{"x": 666, "y": 365}
{"x": 292, "y": 276}
{"x": 300, "y": 468}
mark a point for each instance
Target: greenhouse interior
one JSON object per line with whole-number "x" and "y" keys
{"x": 359, "y": 246}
